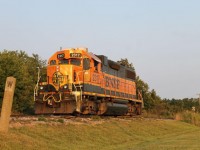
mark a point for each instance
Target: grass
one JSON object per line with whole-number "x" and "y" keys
{"x": 189, "y": 117}
{"x": 42, "y": 118}
{"x": 60, "y": 120}
{"x": 112, "y": 134}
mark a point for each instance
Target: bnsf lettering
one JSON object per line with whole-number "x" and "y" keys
{"x": 112, "y": 82}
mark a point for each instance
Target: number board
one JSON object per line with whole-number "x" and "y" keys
{"x": 75, "y": 55}
{"x": 60, "y": 56}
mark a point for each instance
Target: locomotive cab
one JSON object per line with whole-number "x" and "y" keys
{"x": 63, "y": 84}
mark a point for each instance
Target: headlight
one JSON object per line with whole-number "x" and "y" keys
{"x": 41, "y": 87}
{"x": 65, "y": 87}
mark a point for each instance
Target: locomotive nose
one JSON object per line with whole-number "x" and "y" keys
{"x": 57, "y": 78}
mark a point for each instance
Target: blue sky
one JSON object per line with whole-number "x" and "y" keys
{"x": 161, "y": 38}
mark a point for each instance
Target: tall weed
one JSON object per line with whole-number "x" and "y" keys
{"x": 189, "y": 117}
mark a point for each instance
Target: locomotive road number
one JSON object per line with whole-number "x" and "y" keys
{"x": 61, "y": 55}
{"x": 75, "y": 55}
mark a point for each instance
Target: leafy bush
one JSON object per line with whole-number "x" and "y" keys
{"x": 24, "y": 68}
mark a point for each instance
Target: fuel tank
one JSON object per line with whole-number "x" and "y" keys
{"x": 114, "y": 109}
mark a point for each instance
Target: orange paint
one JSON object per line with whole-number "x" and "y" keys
{"x": 66, "y": 67}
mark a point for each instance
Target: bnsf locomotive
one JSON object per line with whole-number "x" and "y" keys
{"x": 80, "y": 82}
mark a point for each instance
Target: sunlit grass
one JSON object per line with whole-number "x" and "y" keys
{"x": 113, "y": 134}
{"x": 189, "y": 117}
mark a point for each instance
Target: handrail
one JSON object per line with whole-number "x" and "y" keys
{"x": 37, "y": 84}
{"x": 78, "y": 101}
{"x": 75, "y": 90}
{"x": 80, "y": 83}
{"x": 51, "y": 96}
{"x": 140, "y": 98}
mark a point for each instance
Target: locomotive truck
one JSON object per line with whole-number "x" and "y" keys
{"x": 80, "y": 82}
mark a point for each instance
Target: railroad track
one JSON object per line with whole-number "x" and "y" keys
{"x": 17, "y": 121}
{"x": 68, "y": 117}
{"x": 74, "y": 116}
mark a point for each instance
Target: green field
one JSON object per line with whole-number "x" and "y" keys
{"x": 100, "y": 134}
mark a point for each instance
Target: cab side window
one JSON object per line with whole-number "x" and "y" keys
{"x": 86, "y": 64}
{"x": 64, "y": 61}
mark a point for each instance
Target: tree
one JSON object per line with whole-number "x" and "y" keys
{"x": 125, "y": 62}
{"x": 24, "y": 68}
{"x": 150, "y": 97}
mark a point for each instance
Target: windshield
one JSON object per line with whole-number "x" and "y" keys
{"x": 64, "y": 61}
{"x": 72, "y": 61}
{"x": 76, "y": 62}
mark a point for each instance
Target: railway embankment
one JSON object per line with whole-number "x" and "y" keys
{"x": 91, "y": 133}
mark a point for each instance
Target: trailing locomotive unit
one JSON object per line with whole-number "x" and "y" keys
{"x": 81, "y": 82}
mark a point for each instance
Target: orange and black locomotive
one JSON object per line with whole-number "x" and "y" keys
{"x": 80, "y": 82}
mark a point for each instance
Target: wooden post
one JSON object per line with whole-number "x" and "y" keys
{"x": 7, "y": 104}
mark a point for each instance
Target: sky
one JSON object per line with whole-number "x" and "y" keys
{"x": 160, "y": 37}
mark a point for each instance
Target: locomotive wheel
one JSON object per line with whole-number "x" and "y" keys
{"x": 131, "y": 109}
{"x": 89, "y": 107}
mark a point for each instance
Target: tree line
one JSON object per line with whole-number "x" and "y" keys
{"x": 154, "y": 104}
{"x": 24, "y": 68}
